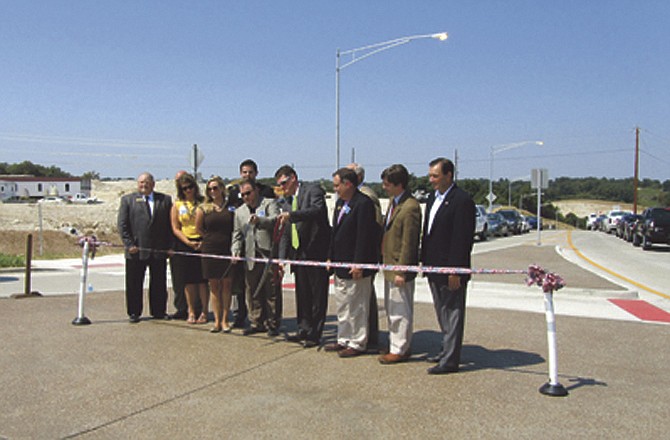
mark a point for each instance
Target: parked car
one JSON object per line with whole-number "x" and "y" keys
{"x": 525, "y": 227}
{"x": 613, "y": 219}
{"x": 532, "y": 222}
{"x": 591, "y": 222}
{"x": 599, "y": 223}
{"x": 497, "y": 225}
{"x": 82, "y": 198}
{"x": 420, "y": 195}
{"x": 624, "y": 225}
{"x": 52, "y": 199}
{"x": 481, "y": 225}
{"x": 653, "y": 228}
{"x": 513, "y": 219}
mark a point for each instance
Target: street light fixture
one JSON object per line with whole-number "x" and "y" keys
{"x": 360, "y": 54}
{"x": 499, "y": 149}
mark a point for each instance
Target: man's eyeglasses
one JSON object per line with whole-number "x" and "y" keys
{"x": 212, "y": 188}
{"x": 284, "y": 181}
{"x": 246, "y": 193}
{"x": 187, "y": 187}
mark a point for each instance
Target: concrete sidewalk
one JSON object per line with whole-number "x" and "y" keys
{"x": 160, "y": 379}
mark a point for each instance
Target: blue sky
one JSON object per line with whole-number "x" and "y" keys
{"x": 126, "y": 86}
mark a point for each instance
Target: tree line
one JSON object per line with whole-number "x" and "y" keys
{"x": 518, "y": 194}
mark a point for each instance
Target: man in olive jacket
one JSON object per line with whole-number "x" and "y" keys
{"x": 400, "y": 246}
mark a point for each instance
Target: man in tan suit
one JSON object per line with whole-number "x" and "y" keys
{"x": 400, "y": 246}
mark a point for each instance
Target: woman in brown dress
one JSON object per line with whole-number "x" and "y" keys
{"x": 214, "y": 222}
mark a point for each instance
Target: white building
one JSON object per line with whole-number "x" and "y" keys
{"x": 29, "y": 187}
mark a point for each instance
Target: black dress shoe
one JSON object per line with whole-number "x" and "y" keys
{"x": 440, "y": 369}
{"x": 133, "y": 319}
{"x": 434, "y": 359}
{"x": 162, "y": 317}
{"x": 253, "y": 330}
{"x": 308, "y": 343}
{"x": 273, "y": 332}
{"x": 298, "y": 337}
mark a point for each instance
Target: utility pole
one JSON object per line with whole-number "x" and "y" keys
{"x": 637, "y": 168}
{"x": 455, "y": 164}
{"x": 195, "y": 160}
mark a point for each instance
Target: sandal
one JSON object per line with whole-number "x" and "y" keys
{"x": 202, "y": 319}
{"x": 191, "y": 319}
{"x": 227, "y": 329}
{"x": 215, "y": 330}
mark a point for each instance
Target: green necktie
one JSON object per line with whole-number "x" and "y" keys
{"x": 295, "y": 242}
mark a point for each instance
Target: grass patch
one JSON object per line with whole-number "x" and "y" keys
{"x": 11, "y": 261}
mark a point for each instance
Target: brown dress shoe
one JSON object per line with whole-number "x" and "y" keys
{"x": 334, "y": 347}
{"x": 391, "y": 358}
{"x": 349, "y": 352}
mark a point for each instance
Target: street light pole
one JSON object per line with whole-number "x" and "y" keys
{"x": 499, "y": 149}
{"x": 365, "y": 52}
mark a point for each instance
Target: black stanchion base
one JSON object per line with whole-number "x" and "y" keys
{"x": 81, "y": 321}
{"x": 32, "y": 294}
{"x": 557, "y": 390}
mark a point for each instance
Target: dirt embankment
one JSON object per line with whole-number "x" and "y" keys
{"x": 61, "y": 223}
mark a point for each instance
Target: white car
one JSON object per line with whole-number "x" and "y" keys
{"x": 591, "y": 221}
{"x": 51, "y": 199}
{"x": 481, "y": 225}
{"x": 613, "y": 219}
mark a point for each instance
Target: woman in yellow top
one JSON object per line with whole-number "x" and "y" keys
{"x": 189, "y": 240}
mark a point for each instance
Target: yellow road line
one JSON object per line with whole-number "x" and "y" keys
{"x": 628, "y": 280}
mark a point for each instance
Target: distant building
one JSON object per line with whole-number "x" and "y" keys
{"x": 30, "y": 187}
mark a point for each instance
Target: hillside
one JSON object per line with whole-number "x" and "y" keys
{"x": 584, "y": 207}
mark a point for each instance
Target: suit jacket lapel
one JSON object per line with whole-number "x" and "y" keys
{"x": 397, "y": 208}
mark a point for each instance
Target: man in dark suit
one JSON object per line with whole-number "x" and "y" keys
{"x": 373, "y": 319}
{"x": 355, "y": 239}
{"x": 447, "y": 241}
{"x": 306, "y": 237}
{"x": 144, "y": 227}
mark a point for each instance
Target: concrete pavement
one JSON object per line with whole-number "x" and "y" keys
{"x": 155, "y": 379}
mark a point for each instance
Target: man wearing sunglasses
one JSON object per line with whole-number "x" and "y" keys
{"x": 252, "y": 237}
{"x": 248, "y": 171}
{"x": 306, "y": 237}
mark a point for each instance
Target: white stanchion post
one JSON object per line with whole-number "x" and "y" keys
{"x": 81, "y": 319}
{"x": 553, "y": 387}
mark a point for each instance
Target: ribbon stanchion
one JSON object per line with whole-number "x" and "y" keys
{"x": 86, "y": 244}
{"x": 549, "y": 283}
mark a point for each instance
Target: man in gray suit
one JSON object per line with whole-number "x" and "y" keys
{"x": 144, "y": 227}
{"x": 253, "y": 237}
